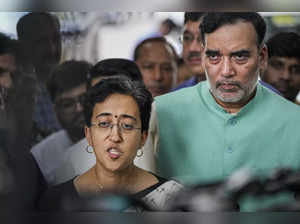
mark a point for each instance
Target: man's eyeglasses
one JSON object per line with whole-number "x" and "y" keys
{"x": 69, "y": 105}
{"x": 106, "y": 127}
{"x": 189, "y": 38}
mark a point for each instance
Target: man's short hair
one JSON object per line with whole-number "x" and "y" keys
{"x": 137, "y": 50}
{"x": 7, "y": 45}
{"x": 284, "y": 44}
{"x": 28, "y": 23}
{"x": 193, "y": 16}
{"x": 213, "y": 21}
{"x": 113, "y": 66}
{"x": 67, "y": 76}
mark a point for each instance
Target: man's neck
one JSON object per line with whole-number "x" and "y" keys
{"x": 200, "y": 77}
{"x": 43, "y": 73}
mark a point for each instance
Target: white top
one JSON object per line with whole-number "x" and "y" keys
{"x": 51, "y": 154}
{"x": 77, "y": 162}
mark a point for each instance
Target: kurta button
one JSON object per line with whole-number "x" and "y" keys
{"x": 232, "y": 121}
{"x": 229, "y": 150}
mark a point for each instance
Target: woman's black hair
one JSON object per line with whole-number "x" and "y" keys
{"x": 119, "y": 85}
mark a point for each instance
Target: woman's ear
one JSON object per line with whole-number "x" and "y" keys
{"x": 88, "y": 136}
{"x": 144, "y": 138}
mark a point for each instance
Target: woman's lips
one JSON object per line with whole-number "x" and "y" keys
{"x": 114, "y": 153}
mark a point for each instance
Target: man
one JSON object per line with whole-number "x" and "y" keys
{"x": 283, "y": 71}
{"x": 7, "y": 71}
{"x": 19, "y": 186}
{"x": 7, "y": 61}
{"x": 157, "y": 61}
{"x": 39, "y": 34}
{"x": 67, "y": 86}
{"x": 207, "y": 132}
{"x": 7, "y": 120}
{"x": 192, "y": 48}
{"x": 16, "y": 92}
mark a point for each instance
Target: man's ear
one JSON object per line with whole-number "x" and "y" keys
{"x": 263, "y": 58}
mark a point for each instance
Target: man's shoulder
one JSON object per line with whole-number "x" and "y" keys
{"x": 181, "y": 95}
{"x": 279, "y": 102}
{"x": 279, "y": 107}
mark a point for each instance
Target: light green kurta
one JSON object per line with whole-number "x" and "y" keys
{"x": 200, "y": 142}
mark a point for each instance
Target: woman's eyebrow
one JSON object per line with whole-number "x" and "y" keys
{"x": 104, "y": 114}
{"x": 127, "y": 116}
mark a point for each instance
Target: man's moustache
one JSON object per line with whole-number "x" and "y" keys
{"x": 194, "y": 54}
{"x": 234, "y": 83}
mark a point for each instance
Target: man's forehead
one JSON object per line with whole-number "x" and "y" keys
{"x": 286, "y": 60}
{"x": 74, "y": 92}
{"x": 235, "y": 36}
{"x": 192, "y": 27}
{"x": 161, "y": 49}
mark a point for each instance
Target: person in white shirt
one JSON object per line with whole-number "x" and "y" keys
{"x": 67, "y": 87}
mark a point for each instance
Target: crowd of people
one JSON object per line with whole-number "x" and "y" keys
{"x": 72, "y": 131}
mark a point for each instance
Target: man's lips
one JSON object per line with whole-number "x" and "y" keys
{"x": 228, "y": 86}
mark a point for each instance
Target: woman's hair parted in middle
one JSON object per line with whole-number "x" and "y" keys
{"x": 119, "y": 85}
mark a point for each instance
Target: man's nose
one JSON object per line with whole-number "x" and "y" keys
{"x": 79, "y": 107}
{"x": 227, "y": 68}
{"x": 196, "y": 45}
{"x": 285, "y": 74}
{"x": 157, "y": 73}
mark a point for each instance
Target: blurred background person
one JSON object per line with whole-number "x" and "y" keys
{"x": 283, "y": 70}
{"x": 192, "y": 48}
{"x": 8, "y": 48}
{"x": 113, "y": 66}
{"x": 183, "y": 73}
{"x": 167, "y": 26}
{"x": 39, "y": 34}
{"x": 67, "y": 87}
{"x": 157, "y": 60}
{"x": 7, "y": 121}
{"x": 117, "y": 113}
{"x": 19, "y": 186}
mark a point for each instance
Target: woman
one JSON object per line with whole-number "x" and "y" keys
{"x": 117, "y": 112}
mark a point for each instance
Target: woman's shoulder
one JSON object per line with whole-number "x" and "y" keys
{"x": 161, "y": 196}
{"x": 169, "y": 185}
{"x": 163, "y": 185}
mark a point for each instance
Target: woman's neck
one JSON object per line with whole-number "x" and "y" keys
{"x": 115, "y": 181}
